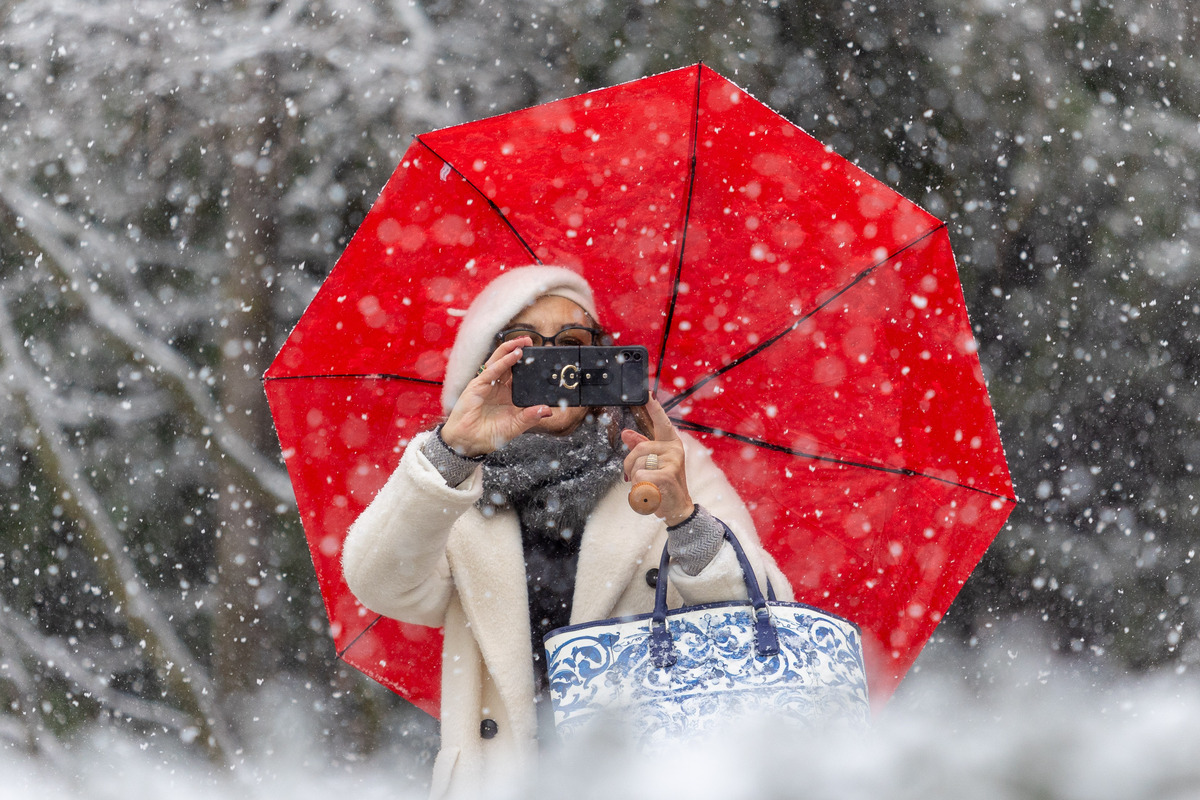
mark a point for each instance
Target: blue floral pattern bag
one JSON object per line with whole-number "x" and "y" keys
{"x": 672, "y": 674}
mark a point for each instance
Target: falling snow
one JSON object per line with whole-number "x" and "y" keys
{"x": 177, "y": 179}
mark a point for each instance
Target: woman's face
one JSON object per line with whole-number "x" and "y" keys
{"x": 549, "y": 315}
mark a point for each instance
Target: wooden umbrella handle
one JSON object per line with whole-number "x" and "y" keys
{"x": 644, "y": 497}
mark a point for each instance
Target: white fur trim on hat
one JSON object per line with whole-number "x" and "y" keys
{"x": 494, "y": 306}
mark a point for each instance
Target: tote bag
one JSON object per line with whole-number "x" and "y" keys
{"x": 675, "y": 674}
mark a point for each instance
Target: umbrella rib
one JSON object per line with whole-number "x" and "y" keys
{"x": 904, "y": 471}
{"x": 356, "y": 375}
{"x": 361, "y": 634}
{"x": 687, "y": 215}
{"x": 677, "y": 399}
{"x": 487, "y": 200}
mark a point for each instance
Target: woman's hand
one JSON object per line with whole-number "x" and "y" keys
{"x": 484, "y": 417}
{"x": 669, "y": 478}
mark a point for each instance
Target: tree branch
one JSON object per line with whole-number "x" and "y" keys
{"x": 51, "y": 654}
{"x": 36, "y": 218}
{"x": 183, "y": 674}
{"x": 28, "y": 705}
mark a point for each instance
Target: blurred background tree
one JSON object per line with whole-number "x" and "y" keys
{"x": 176, "y": 180}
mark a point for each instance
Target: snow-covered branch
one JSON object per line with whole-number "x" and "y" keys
{"x": 51, "y": 654}
{"x": 128, "y": 591}
{"x": 27, "y": 705}
{"x": 181, "y": 378}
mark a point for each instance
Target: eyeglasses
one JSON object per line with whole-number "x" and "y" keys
{"x": 573, "y": 336}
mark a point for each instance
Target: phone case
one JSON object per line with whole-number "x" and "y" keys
{"x": 582, "y": 376}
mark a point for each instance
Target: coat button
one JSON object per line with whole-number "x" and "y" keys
{"x": 652, "y": 578}
{"x": 488, "y": 728}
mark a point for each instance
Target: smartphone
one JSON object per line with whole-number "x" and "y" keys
{"x": 582, "y": 376}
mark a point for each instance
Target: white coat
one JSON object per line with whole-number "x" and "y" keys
{"x": 422, "y": 553}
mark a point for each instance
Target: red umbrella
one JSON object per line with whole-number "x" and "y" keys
{"x": 806, "y": 322}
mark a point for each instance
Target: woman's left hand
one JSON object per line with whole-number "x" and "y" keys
{"x": 670, "y": 478}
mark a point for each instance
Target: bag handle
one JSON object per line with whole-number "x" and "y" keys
{"x": 766, "y": 639}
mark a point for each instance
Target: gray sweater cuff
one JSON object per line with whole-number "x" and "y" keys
{"x": 453, "y": 468}
{"x": 696, "y": 541}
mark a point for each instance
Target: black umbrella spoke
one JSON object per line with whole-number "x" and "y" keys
{"x": 769, "y": 341}
{"x": 845, "y": 462}
{"x": 363, "y": 633}
{"x": 687, "y": 215}
{"x": 487, "y": 200}
{"x": 362, "y": 376}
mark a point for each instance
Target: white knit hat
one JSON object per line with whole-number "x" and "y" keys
{"x": 494, "y": 306}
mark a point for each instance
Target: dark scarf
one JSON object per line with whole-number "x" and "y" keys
{"x": 553, "y": 483}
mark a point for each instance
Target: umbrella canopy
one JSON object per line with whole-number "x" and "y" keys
{"x": 806, "y": 323}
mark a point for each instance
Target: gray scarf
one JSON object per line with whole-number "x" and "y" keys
{"x": 553, "y": 482}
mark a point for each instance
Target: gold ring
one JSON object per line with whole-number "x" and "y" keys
{"x": 652, "y": 461}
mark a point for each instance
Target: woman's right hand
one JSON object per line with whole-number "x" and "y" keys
{"x": 484, "y": 417}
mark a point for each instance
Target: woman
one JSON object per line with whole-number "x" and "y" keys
{"x": 506, "y": 522}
